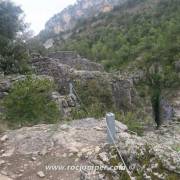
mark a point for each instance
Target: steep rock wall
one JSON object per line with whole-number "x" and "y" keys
{"x": 68, "y": 18}
{"x": 123, "y": 93}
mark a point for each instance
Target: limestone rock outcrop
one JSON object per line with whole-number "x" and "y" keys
{"x": 174, "y": 100}
{"x": 68, "y": 18}
{"x": 30, "y": 150}
{"x": 64, "y": 68}
{"x": 75, "y": 61}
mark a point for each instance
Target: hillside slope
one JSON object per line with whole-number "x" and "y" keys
{"x": 68, "y": 18}
{"x": 136, "y": 30}
{"x": 138, "y": 36}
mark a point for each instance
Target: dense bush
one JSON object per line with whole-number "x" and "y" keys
{"x": 96, "y": 99}
{"x": 11, "y": 20}
{"x": 29, "y": 102}
{"x": 13, "y": 51}
{"x": 14, "y": 58}
{"x": 134, "y": 121}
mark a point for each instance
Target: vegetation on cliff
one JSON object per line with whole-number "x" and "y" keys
{"x": 138, "y": 30}
{"x": 139, "y": 35}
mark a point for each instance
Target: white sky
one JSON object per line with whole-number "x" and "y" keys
{"x": 38, "y": 12}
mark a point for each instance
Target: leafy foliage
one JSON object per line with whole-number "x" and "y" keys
{"x": 13, "y": 51}
{"x": 141, "y": 34}
{"x": 14, "y": 58}
{"x": 10, "y": 21}
{"x": 29, "y": 102}
{"x": 35, "y": 46}
{"x": 133, "y": 120}
{"x": 140, "y": 29}
{"x": 96, "y": 100}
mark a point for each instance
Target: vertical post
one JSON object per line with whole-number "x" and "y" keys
{"x": 70, "y": 88}
{"x": 111, "y": 130}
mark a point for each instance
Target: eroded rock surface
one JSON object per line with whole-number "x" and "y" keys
{"x": 75, "y": 61}
{"x": 27, "y": 152}
{"x": 64, "y": 69}
{"x": 68, "y": 18}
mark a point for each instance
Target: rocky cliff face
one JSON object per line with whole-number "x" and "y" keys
{"x": 68, "y": 18}
{"x": 66, "y": 67}
{"x": 70, "y": 67}
{"x": 75, "y": 61}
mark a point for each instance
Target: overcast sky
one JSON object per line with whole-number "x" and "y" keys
{"x": 39, "y": 11}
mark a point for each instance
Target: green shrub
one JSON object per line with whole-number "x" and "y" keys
{"x": 132, "y": 121}
{"x": 78, "y": 113}
{"x": 14, "y": 59}
{"x": 29, "y": 102}
{"x": 93, "y": 110}
{"x": 96, "y": 99}
{"x": 13, "y": 51}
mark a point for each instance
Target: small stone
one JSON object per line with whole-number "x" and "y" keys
{"x": 4, "y": 138}
{"x": 33, "y": 158}
{"x": 25, "y": 165}
{"x": 2, "y": 151}
{"x": 97, "y": 149}
{"x": 160, "y": 176}
{"x": 101, "y": 176}
{"x": 89, "y": 153}
{"x": 64, "y": 155}
{"x": 146, "y": 176}
{"x": 21, "y": 170}
{"x": 20, "y": 175}
{"x": 154, "y": 166}
{"x": 41, "y": 174}
{"x": 171, "y": 167}
{"x": 79, "y": 154}
{"x": 84, "y": 150}
{"x": 64, "y": 127}
{"x": 73, "y": 150}
{"x": 4, "y": 173}
{"x": 97, "y": 162}
{"x": 149, "y": 170}
{"x": 14, "y": 176}
{"x": 98, "y": 128}
{"x": 2, "y": 162}
{"x": 43, "y": 152}
{"x": 2, "y": 177}
{"x": 70, "y": 155}
{"x": 8, "y": 153}
{"x": 76, "y": 160}
{"x": 38, "y": 164}
{"x": 120, "y": 126}
{"x": 103, "y": 156}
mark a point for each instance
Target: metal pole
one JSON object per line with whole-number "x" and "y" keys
{"x": 70, "y": 88}
{"x": 111, "y": 130}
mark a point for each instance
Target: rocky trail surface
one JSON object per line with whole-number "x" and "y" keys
{"x": 27, "y": 153}
{"x": 24, "y": 153}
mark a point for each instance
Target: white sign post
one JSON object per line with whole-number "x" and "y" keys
{"x": 111, "y": 130}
